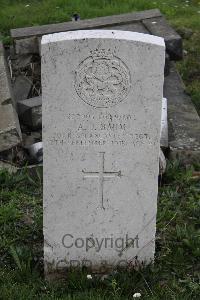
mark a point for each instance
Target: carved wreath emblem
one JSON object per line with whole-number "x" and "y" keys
{"x": 102, "y": 79}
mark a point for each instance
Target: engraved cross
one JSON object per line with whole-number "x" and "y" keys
{"x": 101, "y": 175}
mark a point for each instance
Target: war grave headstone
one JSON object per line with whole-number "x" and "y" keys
{"x": 24, "y": 64}
{"x": 102, "y": 102}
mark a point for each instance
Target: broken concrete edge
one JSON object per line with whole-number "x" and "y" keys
{"x": 10, "y": 132}
{"x": 10, "y": 99}
{"x": 7, "y": 130}
{"x": 5, "y": 95}
{"x": 95, "y": 23}
{"x": 9, "y": 138}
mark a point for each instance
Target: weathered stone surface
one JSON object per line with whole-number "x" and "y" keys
{"x": 27, "y": 46}
{"x": 102, "y": 94}
{"x": 10, "y": 133}
{"x": 21, "y": 61}
{"x": 159, "y": 27}
{"x": 21, "y": 88}
{"x": 4, "y": 84}
{"x": 183, "y": 120}
{"x": 30, "y": 112}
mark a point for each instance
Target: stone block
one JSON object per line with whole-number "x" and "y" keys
{"x": 27, "y": 46}
{"x": 30, "y": 112}
{"x": 21, "y": 88}
{"x": 5, "y": 95}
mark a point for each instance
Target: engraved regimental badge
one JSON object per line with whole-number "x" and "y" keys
{"x": 102, "y": 79}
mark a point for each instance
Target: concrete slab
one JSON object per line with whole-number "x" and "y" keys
{"x": 4, "y": 85}
{"x": 21, "y": 88}
{"x": 30, "y": 112}
{"x": 183, "y": 120}
{"x": 10, "y": 133}
{"x": 27, "y": 46}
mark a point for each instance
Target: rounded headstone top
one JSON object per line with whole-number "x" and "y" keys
{"x": 103, "y": 34}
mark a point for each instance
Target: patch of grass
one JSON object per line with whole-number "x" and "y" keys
{"x": 175, "y": 274}
{"x": 20, "y": 214}
{"x": 189, "y": 68}
{"x": 20, "y": 13}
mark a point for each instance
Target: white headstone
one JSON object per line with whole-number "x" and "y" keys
{"x": 102, "y": 101}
